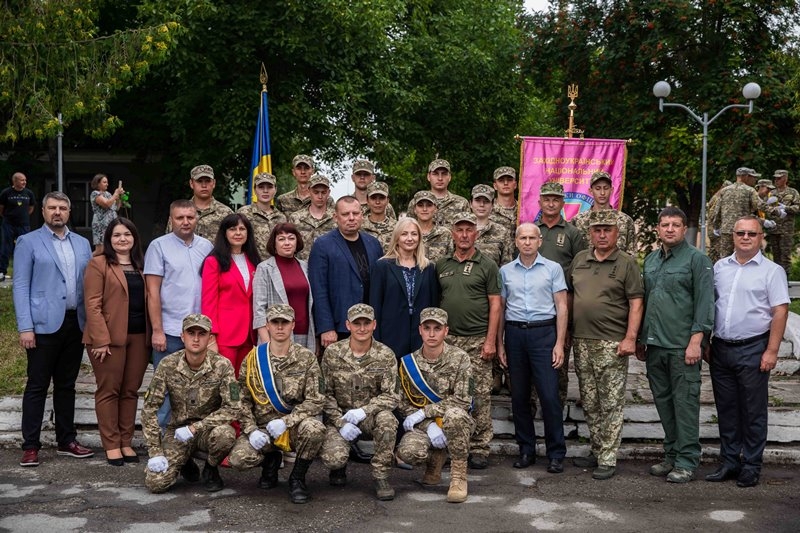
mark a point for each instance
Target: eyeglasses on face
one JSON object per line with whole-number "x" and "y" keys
{"x": 751, "y": 234}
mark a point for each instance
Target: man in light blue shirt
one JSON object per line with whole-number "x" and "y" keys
{"x": 172, "y": 275}
{"x": 532, "y": 334}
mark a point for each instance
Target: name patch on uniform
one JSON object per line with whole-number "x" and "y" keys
{"x": 234, "y": 390}
{"x": 445, "y": 274}
{"x": 468, "y": 268}
{"x": 560, "y": 238}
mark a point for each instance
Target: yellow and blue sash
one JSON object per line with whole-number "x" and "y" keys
{"x": 412, "y": 370}
{"x": 268, "y": 380}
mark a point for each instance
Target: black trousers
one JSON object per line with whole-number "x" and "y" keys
{"x": 741, "y": 394}
{"x": 57, "y": 357}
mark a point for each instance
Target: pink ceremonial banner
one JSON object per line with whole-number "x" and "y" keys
{"x": 570, "y": 162}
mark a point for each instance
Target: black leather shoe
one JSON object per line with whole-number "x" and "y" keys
{"x": 525, "y": 460}
{"x": 748, "y": 478}
{"x": 190, "y": 471}
{"x": 478, "y": 462}
{"x": 211, "y": 478}
{"x": 357, "y": 455}
{"x": 723, "y": 473}
{"x": 556, "y": 466}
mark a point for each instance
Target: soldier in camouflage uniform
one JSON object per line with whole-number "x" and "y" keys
{"x": 205, "y": 400}
{"x": 447, "y": 203}
{"x": 437, "y": 239}
{"x": 505, "y": 210}
{"x": 494, "y": 241}
{"x": 360, "y": 378}
{"x": 300, "y": 196}
{"x": 781, "y": 238}
{"x": 607, "y": 305}
{"x": 435, "y": 428}
{"x": 470, "y": 293}
{"x": 210, "y": 212}
{"x": 299, "y": 384}
{"x": 261, "y": 214}
{"x": 601, "y": 189}
{"x": 736, "y": 201}
{"x": 377, "y": 220}
{"x": 317, "y": 218}
{"x": 363, "y": 176}
{"x": 713, "y": 240}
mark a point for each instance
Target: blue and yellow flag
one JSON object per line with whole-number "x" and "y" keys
{"x": 262, "y": 161}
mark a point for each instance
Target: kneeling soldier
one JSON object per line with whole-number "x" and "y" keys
{"x": 205, "y": 399}
{"x": 438, "y": 388}
{"x": 282, "y": 396}
{"x": 361, "y": 393}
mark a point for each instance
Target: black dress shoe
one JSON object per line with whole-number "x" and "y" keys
{"x": 119, "y": 461}
{"x": 525, "y": 460}
{"x": 556, "y": 466}
{"x": 748, "y": 478}
{"x": 723, "y": 473}
{"x": 130, "y": 458}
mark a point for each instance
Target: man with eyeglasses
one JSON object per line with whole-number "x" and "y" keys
{"x": 678, "y": 317}
{"x": 752, "y": 306}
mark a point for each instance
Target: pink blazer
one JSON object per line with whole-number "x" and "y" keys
{"x": 226, "y": 302}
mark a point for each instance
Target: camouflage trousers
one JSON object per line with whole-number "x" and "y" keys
{"x": 782, "y": 246}
{"x": 305, "y": 438}
{"x": 601, "y": 379}
{"x": 217, "y": 441}
{"x": 713, "y": 247}
{"x": 725, "y": 245}
{"x": 482, "y": 400}
{"x": 381, "y": 426}
{"x": 457, "y": 426}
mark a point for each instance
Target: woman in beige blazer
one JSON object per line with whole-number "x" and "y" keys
{"x": 116, "y": 336}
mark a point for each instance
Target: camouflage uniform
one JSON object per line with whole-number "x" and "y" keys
{"x": 311, "y": 228}
{"x": 713, "y": 240}
{"x": 506, "y": 217}
{"x": 380, "y": 230}
{"x": 781, "y": 238}
{"x": 389, "y": 211}
{"x": 207, "y": 398}
{"x": 300, "y": 384}
{"x": 208, "y": 220}
{"x": 482, "y": 394}
{"x": 495, "y": 242}
{"x": 263, "y": 223}
{"x": 450, "y": 376}
{"x": 627, "y": 231}
{"x": 369, "y": 383}
{"x": 734, "y": 201}
{"x": 447, "y": 207}
{"x": 438, "y": 243}
{"x": 290, "y": 202}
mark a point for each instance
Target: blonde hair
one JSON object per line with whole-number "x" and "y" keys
{"x": 419, "y": 253}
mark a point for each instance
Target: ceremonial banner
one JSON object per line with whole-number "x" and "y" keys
{"x": 570, "y": 162}
{"x": 261, "y": 161}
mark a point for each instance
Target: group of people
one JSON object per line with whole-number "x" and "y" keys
{"x": 392, "y": 329}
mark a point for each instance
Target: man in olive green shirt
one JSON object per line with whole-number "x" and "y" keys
{"x": 678, "y": 317}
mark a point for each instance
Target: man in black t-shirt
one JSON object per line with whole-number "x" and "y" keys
{"x": 16, "y": 206}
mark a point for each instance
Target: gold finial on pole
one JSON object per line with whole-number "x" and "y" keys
{"x": 572, "y": 94}
{"x": 263, "y": 78}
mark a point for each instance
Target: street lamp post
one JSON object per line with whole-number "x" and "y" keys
{"x": 662, "y": 89}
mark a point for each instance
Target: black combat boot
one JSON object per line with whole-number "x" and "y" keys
{"x": 338, "y": 477}
{"x": 298, "y": 492}
{"x": 211, "y": 479}
{"x": 269, "y": 470}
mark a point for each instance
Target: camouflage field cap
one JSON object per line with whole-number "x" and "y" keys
{"x": 264, "y": 177}
{"x": 746, "y": 171}
{"x": 435, "y": 314}
{"x": 280, "y": 312}
{"x": 464, "y": 217}
{"x": 197, "y": 320}
{"x": 600, "y": 175}
{"x": 302, "y": 158}
{"x": 201, "y": 171}
{"x": 604, "y": 217}
{"x": 551, "y": 188}
{"x": 438, "y": 163}
{"x": 377, "y": 187}
{"x": 319, "y": 179}
{"x": 765, "y": 183}
{"x": 780, "y": 173}
{"x": 363, "y": 165}
{"x": 360, "y": 311}
{"x": 424, "y": 195}
{"x": 504, "y": 171}
{"x": 483, "y": 191}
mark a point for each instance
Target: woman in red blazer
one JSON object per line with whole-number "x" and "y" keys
{"x": 227, "y": 288}
{"x": 116, "y": 335}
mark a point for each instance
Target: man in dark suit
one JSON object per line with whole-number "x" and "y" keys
{"x": 338, "y": 270}
{"x": 48, "y": 301}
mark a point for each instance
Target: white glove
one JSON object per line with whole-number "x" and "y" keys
{"x": 769, "y": 224}
{"x": 782, "y": 212}
{"x": 413, "y": 419}
{"x": 276, "y": 428}
{"x": 184, "y": 434}
{"x": 771, "y": 200}
{"x": 354, "y": 416}
{"x": 258, "y": 439}
{"x": 435, "y": 433}
{"x": 157, "y": 464}
{"x": 349, "y": 432}
{"x": 716, "y": 233}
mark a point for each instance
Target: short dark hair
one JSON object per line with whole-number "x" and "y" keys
{"x": 672, "y": 211}
{"x": 137, "y": 257}
{"x": 284, "y": 227}
{"x": 96, "y": 180}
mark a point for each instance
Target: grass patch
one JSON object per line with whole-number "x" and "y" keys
{"x": 13, "y": 361}
{"x": 794, "y": 306}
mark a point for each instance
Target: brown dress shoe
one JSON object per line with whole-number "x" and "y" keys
{"x": 29, "y": 458}
{"x": 73, "y": 449}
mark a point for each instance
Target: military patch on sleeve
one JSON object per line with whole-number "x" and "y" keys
{"x": 234, "y": 390}
{"x": 471, "y": 387}
{"x": 147, "y": 394}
